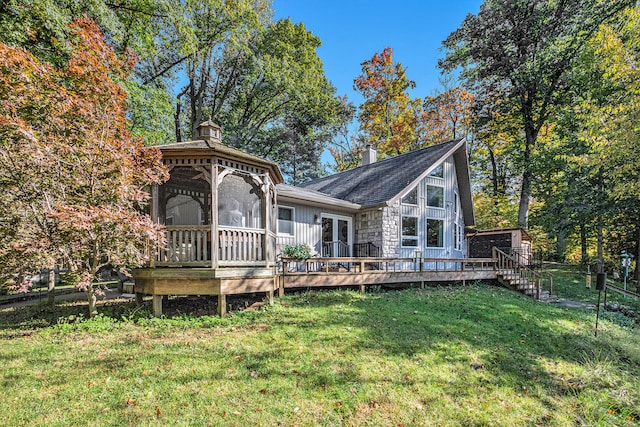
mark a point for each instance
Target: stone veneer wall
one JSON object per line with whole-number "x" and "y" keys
{"x": 380, "y": 227}
{"x": 391, "y": 230}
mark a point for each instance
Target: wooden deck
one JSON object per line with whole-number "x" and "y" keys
{"x": 330, "y": 272}
{"x": 314, "y": 272}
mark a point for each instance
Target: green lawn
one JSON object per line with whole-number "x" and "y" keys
{"x": 474, "y": 355}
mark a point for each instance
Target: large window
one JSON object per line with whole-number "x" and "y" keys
{"x": 435, "y": 196}
{"x": 435, "y": 233}
{"x": 409, "y": 231}
{"x": 285, "y": 220}
{"x": 411, "y": 198}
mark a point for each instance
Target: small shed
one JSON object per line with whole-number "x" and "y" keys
{"x": 509, "y": 240}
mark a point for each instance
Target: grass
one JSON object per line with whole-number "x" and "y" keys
{"x": 453, "y": 356}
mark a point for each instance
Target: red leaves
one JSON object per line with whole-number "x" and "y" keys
{"x": 74, "y": 177}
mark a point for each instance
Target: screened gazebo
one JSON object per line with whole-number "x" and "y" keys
{"x": 219, "y": 210}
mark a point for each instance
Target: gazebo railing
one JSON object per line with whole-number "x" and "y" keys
{"x": 186, "y": 245}
{"x": 241, "y": 245}
{"x": 190, "y": 245}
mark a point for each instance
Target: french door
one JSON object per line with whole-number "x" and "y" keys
{"x": 336, "y": 236}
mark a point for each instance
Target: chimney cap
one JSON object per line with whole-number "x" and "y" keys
{"x": 370, "y": 155}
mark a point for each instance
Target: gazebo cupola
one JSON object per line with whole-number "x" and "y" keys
{"x": 209, "y": 132}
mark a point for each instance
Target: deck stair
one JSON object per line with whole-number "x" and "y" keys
{"x": 513, "y": 273}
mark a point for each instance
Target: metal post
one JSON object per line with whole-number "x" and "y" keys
{"x": 597, "y": 313}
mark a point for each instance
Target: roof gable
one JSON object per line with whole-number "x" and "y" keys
{"x": 385, "y": 180}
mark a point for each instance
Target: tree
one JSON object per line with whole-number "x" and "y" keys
{"x": 282, "y": 100}
{"x": 72, "y": 176}
{"x": 524, "y": 51}
{"x": 389, "y": 118}
{"x": 448, "y": 115}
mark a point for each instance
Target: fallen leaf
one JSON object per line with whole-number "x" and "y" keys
{"x": 158, "y": 412}
{"x": 338, "y": 403}
{"x": 130, "y": 402}
{"x": 263, "y": 390}
{"x": 254, "y": 374}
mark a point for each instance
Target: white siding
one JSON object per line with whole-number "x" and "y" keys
{"x": 306, "y": 228}
{"x": 446, "y": 214}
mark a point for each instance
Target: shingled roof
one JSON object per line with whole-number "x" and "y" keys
{"x": 383, "y": 180}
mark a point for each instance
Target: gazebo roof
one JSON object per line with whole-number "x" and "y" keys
{"x": 202, "y": 148}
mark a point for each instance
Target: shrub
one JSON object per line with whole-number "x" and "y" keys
{"x": 301, "y": 251}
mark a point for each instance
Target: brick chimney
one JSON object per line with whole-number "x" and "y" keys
{"x": 369, "y": 155}
{"x": 209, "y": 131}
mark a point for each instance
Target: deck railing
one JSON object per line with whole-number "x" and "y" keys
{"x": 190, "y": 245}
{"x": 512, "y": 264}
{"x": 383, "y": 265}
{"x": 335, "y": 249}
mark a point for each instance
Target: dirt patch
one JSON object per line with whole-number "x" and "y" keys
{"x": 207, "y": 305}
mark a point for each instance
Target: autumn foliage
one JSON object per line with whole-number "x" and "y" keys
{"x": 73, "y": 177}
{"x": 388, "y": 117}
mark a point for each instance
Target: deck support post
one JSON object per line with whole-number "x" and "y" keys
{"x": 222, "y": 305}
{"x": 362, "y": 289}
{"x": 157, "y": 305}
{"x": 270, "y": 297}
{"x": 139, "y": 298}
{"x": 422, "y": 284}
{"x": 281, "y": 286}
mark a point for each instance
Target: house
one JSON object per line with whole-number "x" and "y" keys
{"x": 415, "y": 203}
{"x": 228, "y": 214}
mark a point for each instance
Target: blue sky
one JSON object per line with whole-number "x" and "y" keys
{"x": 351, "y": 31}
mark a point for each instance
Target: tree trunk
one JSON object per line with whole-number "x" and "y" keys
{"x": 494, "y": 182}
{"x": 600, "y": 247}
{"x": 531, "y": 134}
{"x": 584, "y": 254}
{"x": 91, "y": 298}
{"x": 636, "y": 272}
{"x": 177, "y": 121}
{"x": 525, "y": 196}
{"x": 51, "y": 285}
{"x": 561, "y": 242}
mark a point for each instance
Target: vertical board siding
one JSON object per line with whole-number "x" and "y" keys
{"x": 446, "y": 214}
{"x": 306, "y": 230}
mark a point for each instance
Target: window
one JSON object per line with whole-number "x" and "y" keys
{"x": 285, "y": 220}
{"x": 409, "y": 231}
{"x": 457, "y": 236}
{"x": 435, "y": 196}
{"x": 435, "y": 228}
{"x": 455, "y": 204}
{"x": 438, "y": 172}
{"x": 411, "y": 198}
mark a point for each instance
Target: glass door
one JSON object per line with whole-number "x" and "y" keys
{"x": 336, "y": 236}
